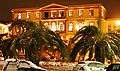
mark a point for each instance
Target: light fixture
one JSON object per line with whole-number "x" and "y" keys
{"x": 118, "y": 22}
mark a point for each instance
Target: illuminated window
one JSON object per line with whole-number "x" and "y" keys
{"x": 70, "y": 13}
{"x": 37, "y": 14}
{"x": 28, "y": 15}
{"x": 53, "y": 13}
{"x": 19, "y": 15}
{"x": 53, "y": 26}
{"x": 61, "y": 13}
{"x": 79, "y": 26}
{"x": 46, "y": 24}
{"x": 46, "y": 14}
{"x": 70, "y": 27}
{"x": 61, "y": 25}
{"x": 91, "y": 12}
{"x": 102, "y": 13}
{"x": 80, "y": 12}
{"x": 4, "y": 29}
{"x": 91, "y": 23}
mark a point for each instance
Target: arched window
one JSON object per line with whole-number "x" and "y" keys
{"x": 19, "y": 15}
{"x": 37, "y": 14}
{"x": 61, "y": 26}
{"x": 70, "y": 27}
{"x": 53, "y": 27}
{"x": 91, "y": 23}
{"x": 28, "y": 15}
{"x": 46, "y": 24}
{"x": 80, "y": 25}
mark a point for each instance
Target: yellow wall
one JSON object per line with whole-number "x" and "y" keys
{"x": 75, "y": 19}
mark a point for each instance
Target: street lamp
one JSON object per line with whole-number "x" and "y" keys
{"x": 118, "y": 24}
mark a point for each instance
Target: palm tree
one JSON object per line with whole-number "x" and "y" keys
{"x": 91, "y": 39}
{"x": 35, "y": 36}
{"x": 30, "y": 40}
{"x": 60, "y": 44}
{"x": 5, "y": 45}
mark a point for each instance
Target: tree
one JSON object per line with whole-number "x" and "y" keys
{"x": 35, "y": 36}
{"x": 90, "y": 38}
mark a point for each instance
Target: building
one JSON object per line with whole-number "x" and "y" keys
{"x": 113, "y": 24}
{"x": 65, "y": 20}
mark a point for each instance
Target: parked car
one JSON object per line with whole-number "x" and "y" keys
{"x": 114, "y": 67}
{"x": 89, "y": 66}
{"x": 21, "y": 65}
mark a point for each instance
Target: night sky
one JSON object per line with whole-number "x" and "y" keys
{"x": 112, "y": 6}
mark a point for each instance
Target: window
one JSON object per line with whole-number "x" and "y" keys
{"x": 53, "y": 27}
{"x": 80, "y": 12}
{"x": 46, "y": 14}
{"x": 79, "y": 25}
{"x": 19, "y": 15}
{"x": 61, "y": 13}
{"x": 37, "y": 14}
{"x": 61, "y": 25}
{"x": 91, "y": 12}
{"x": 70, "y": 27}
{"x": 53, "y": 13}
{"x": 102, "y": 13}
{"x": 28, "y": 15}
{"x": 70, "y": 13}
{"x": 46, "y": 24}
{"x": 91, "y": 23}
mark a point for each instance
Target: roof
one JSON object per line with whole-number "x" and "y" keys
{"x": 54, "y": 5}
{"x": 89, "y": 62}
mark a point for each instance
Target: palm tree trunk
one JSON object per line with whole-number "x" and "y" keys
{"x": 98, "y": 53}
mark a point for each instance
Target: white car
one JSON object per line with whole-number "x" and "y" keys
{"x": 114, "y": 67}
{"x": 89, "y": 66}
{"x": 21, "y": 65}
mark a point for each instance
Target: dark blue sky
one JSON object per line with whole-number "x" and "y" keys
{"x": 112, "y": 6}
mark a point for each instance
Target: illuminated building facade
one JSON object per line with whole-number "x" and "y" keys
{"x": 113, "y": 24}
{"x": 65, "y": 20}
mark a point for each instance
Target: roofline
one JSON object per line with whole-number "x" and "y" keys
{"x": 54, "y": 4}
{"x": 112, "y": 19}
{"x": 69, "y": 6}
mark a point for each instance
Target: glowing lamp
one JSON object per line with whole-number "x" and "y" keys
{"x": 118, "y": 22}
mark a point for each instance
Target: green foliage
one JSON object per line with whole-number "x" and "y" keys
{"x": 35, "y": 36}
{"x": 90, "y": 38}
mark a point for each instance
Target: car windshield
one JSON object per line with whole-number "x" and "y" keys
{"x": 24, "y": 64}
{"x": 100, "y": 65}
{"x": 81, "y": 63}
